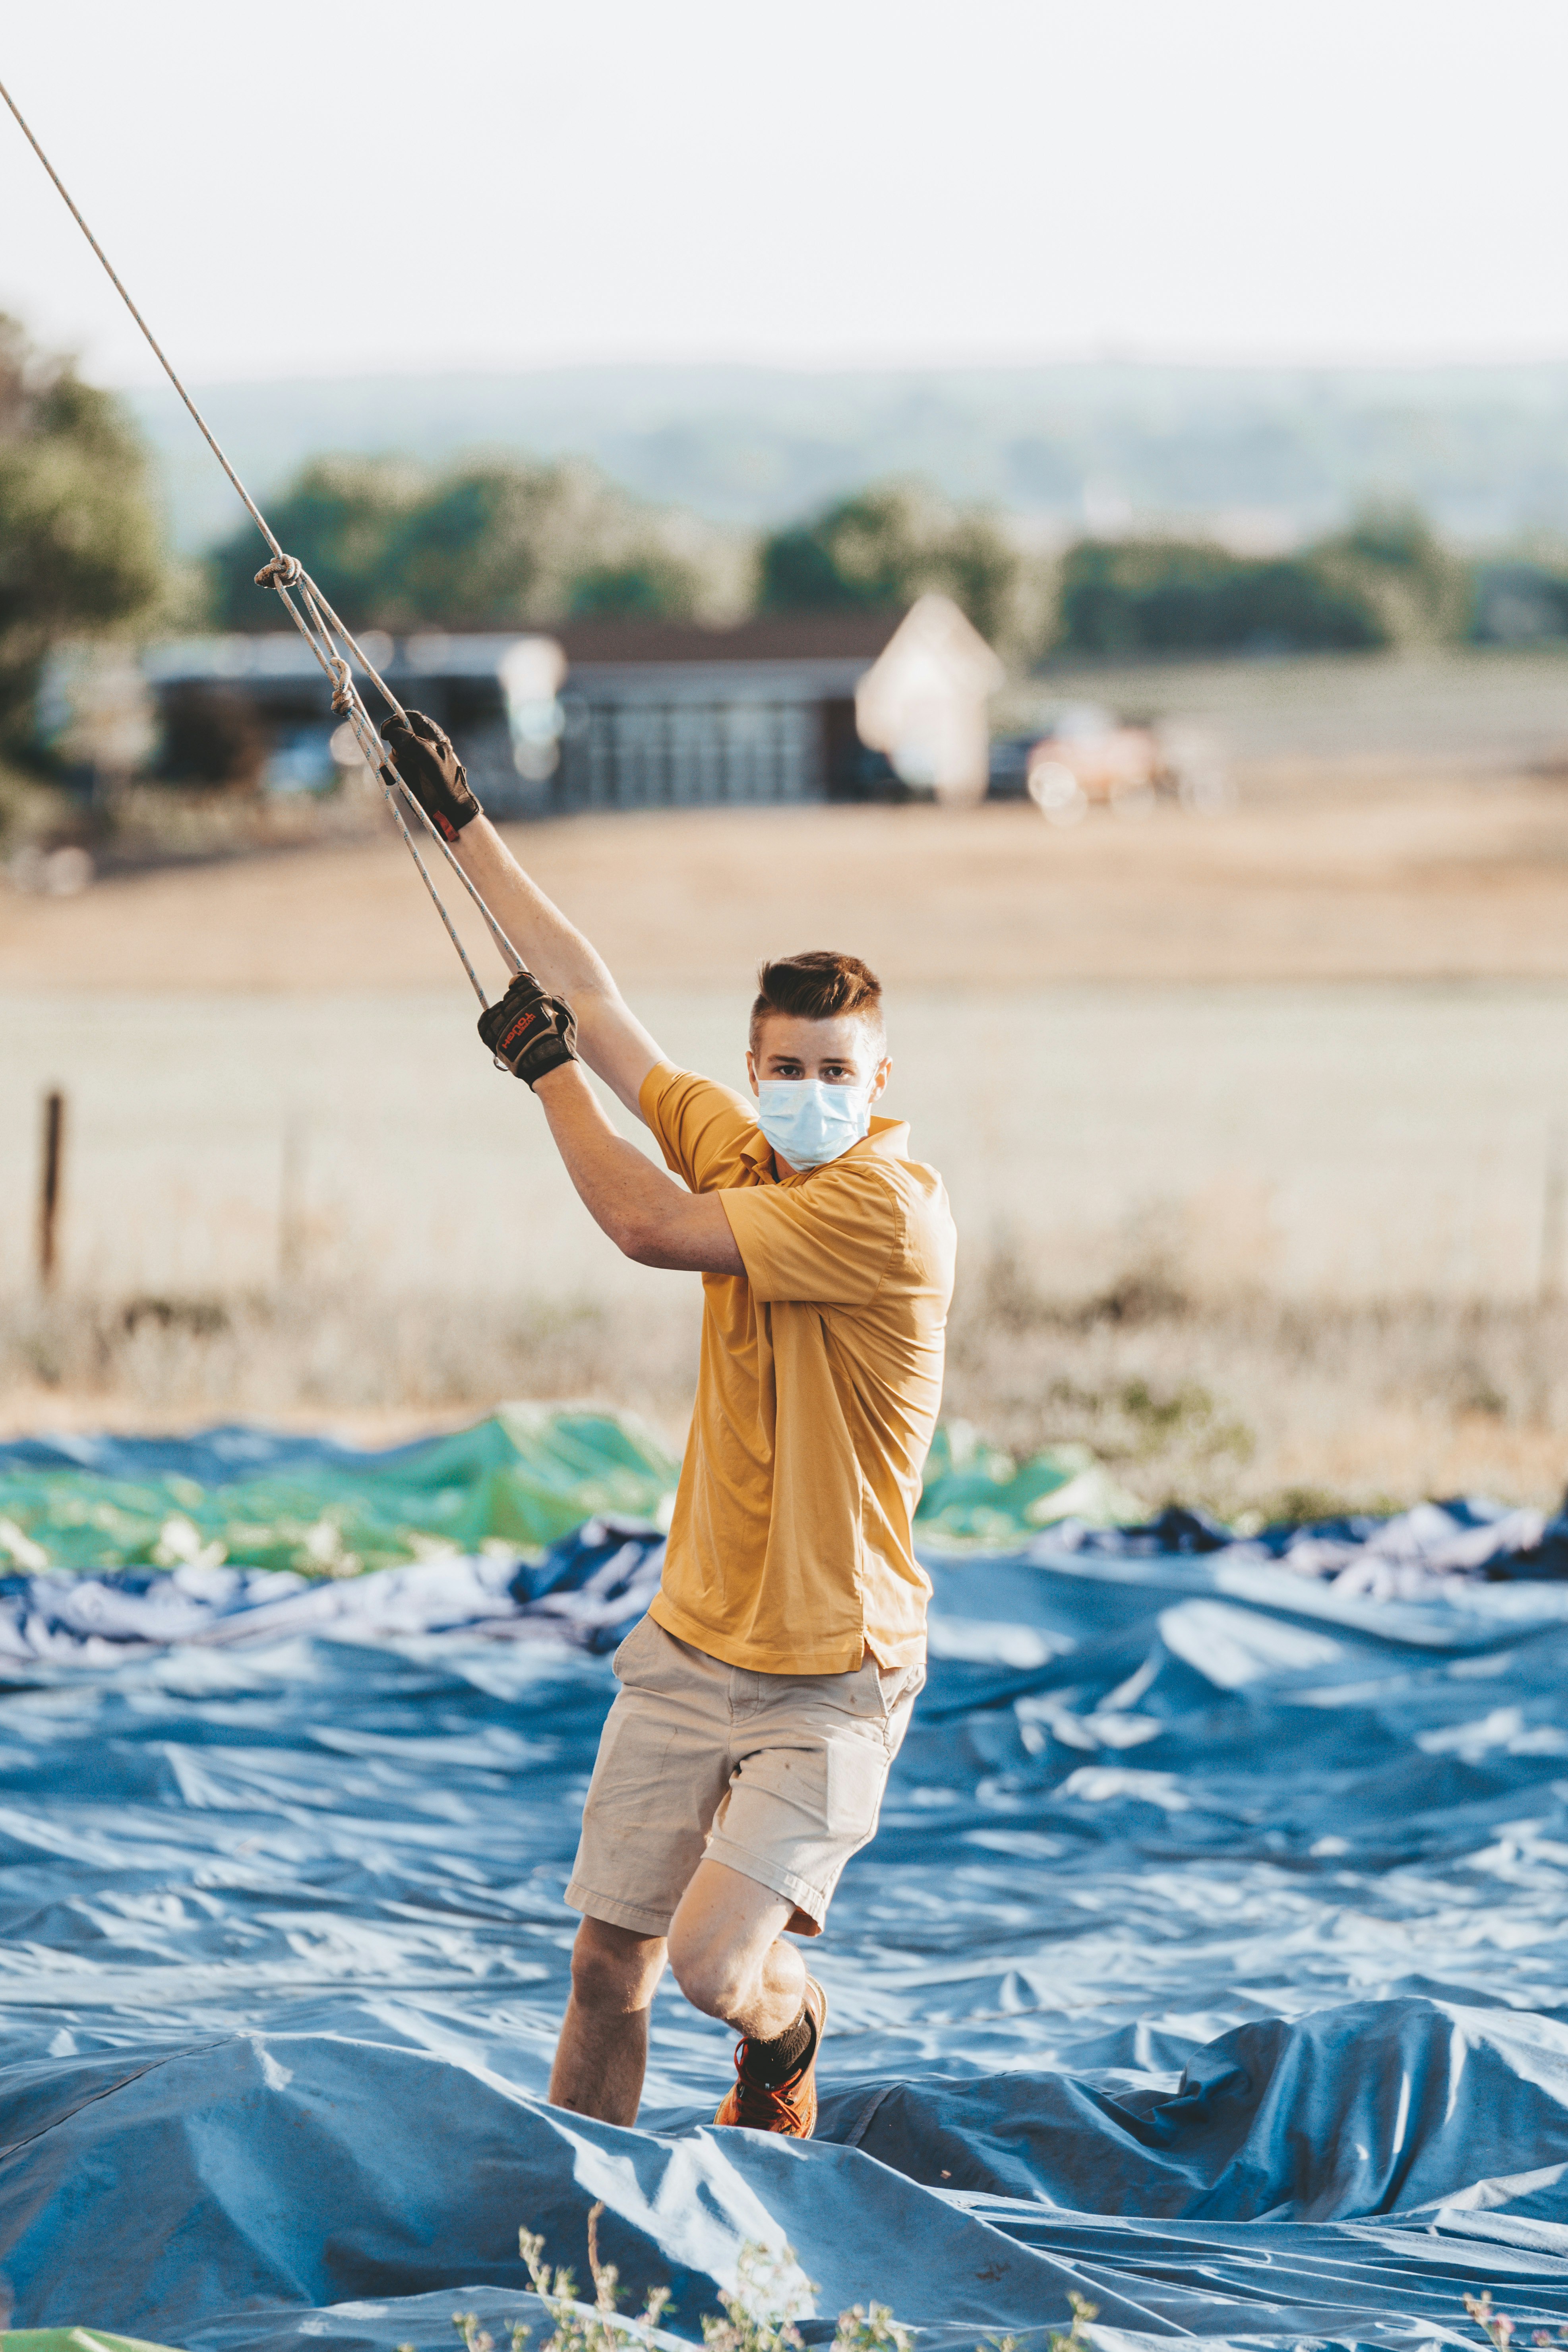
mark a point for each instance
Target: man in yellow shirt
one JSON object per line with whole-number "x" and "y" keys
{"x": 765, "y": 1696}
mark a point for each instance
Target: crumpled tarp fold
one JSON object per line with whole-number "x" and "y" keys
{"x": 1210, "y": 1960}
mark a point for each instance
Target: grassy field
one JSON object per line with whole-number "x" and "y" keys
{"x": 1255, "y": 1127}
{"x": 1306, "y": 1139}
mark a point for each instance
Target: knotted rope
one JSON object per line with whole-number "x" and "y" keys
{"x": 327, "y": 636}
{"x": 332, "y": 644}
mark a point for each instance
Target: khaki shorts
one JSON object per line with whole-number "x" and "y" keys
{"x": 780, "y": 1776}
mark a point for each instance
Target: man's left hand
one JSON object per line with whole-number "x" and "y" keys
{"x": 529, "y": 1033}
{"x": 432, "y": 771}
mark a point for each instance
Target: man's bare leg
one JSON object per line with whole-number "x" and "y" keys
{"x": 725, "y": 1950}
{"x": 724, "y": 1946}
{"x": 602, "y": 2055}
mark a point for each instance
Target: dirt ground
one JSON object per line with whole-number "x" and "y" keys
{"x": 1327, "y": 871}
{"x": 1305, "y": 1064}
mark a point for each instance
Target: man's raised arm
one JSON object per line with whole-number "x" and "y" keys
{"x": 610, "y": 1039}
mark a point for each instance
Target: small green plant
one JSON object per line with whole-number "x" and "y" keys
{"x": 869, "y": 2327}
{"x": 583, "y": 2327}
{"x": 758, "y": 2313}
{"x": 1500, "y": 2328}
{"x": 1075, "y": 2338}
{"x": 1494, "y": 2324}
{"x": 479, "y": 2339}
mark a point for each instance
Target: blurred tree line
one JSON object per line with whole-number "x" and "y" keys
{"x": 893, "y": 542}
{"x": 497, "y": 545}
{"x": 81, "y": 546}
{"x": 506, "y": 545}
{"x": 1386, "y": 580}
{"x": 502, "y": 544}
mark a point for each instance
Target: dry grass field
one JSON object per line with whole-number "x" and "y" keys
{"x": 1255, "y": 1125}
{"x": 1343, "y": 870}
{"x": 1245, "y": 1403}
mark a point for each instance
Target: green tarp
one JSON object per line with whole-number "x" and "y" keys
{"x": 977, "y": 1497}
{"x": 521, "y": 1478}
{"x": 72, "y": 2339}
{"x": 518, "y": 1480}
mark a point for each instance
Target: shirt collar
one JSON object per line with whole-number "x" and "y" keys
{"x": 889, "y": 1138}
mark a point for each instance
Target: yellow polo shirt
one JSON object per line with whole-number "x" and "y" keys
{"x": 790, "y": 1551}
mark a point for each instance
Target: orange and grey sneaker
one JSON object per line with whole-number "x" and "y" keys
{"x": 789, "y": 2106}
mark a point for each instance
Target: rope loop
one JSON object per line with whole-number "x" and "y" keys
{"x": 343, "y": 694}
{"x": 280, "y": 571}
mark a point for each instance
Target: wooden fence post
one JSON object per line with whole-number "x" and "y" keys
{"x": 1553, "y": 1218}
{"x": 51, "y": 1169}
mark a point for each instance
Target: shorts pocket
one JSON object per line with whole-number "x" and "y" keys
{"x": 901, "y": 1685}
{"x": 862, "y": 1694}
{"x": 856, "y": 1773}
{"x": 623, "y": 1665}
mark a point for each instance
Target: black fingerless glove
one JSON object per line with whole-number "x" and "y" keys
{"x": 432, "y": 771}
{"x": 529, "y": 1033}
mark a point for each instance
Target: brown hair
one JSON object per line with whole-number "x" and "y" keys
{"x": 821, "y": 985}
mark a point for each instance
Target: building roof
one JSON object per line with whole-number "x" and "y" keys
{"x": 825, "y": 649}
{"x": 850, "y": 635}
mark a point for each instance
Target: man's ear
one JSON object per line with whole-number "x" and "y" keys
{"x": 752, "y": 1068}
{"x": 883, "y": 1073}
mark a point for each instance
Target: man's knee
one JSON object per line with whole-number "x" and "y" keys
{"x": 613, "y": 1971}
{"x": 714, "y": 1972}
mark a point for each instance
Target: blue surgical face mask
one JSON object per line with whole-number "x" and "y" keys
{"x": 808, "y": 1123}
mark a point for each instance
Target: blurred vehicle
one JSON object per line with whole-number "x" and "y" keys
{"x": 1008, "y": 777}
{"x": 304, "y": 760}
{"x": 1087, "y": 759}
{"x": 62, "y": 872}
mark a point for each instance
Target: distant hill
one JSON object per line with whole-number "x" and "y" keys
{"x": 1270, "y": 454}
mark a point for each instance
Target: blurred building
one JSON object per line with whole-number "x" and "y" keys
{"x": 658, "y": 712}
{"x": 611, "y": 713}
{"x": 257, "y": 709}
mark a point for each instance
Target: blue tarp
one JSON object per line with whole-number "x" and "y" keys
{"x": 1210, "y": 1960}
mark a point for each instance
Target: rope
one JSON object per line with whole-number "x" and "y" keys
{"x": 332, "y": 644}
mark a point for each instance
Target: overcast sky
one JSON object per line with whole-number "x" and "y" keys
{"x": 324, "y": 186}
